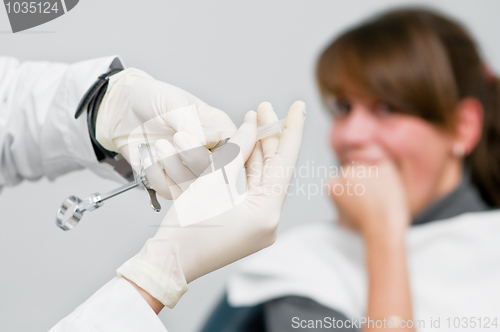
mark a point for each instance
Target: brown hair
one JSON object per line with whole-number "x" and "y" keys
{"x": 421, "y": 63}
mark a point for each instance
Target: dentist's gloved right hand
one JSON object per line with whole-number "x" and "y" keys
{"x": 220, "y": 225}
{"x": 138, "y": 108}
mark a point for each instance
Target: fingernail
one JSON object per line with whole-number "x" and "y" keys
{"x": 304, "y": 108}
{"x": 162, "y": 147}
{"x": 182, "y": 141}
{"x": 250, "y": 116}
{"x": 211, "y": 136}
{"x": 147, "y": 162}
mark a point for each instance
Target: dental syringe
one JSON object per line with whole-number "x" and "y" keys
{"x": 262, "y": 131}
{"x": 72, "y": 209}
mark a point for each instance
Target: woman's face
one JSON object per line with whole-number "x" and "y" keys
{"x": 367, "y": 131}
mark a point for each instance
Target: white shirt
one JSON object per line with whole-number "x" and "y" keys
{"x": 117, "y": 306}
{"x": 453, "y": 266}
{"x": 39, "y": 136}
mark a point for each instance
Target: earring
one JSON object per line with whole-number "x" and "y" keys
{"x": 459, "y": 150}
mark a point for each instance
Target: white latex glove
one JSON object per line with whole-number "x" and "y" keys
{"x": 137, "y": 108}
{"x": 222, "y": 226}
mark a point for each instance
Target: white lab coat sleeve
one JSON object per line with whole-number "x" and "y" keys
{"x": 117, "y": 306}
{"x": 39, "y": 135}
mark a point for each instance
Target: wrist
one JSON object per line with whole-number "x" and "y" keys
{"x": 104, "y": 111}
{"x": 156, "y": 305}
{"x": 385, "y": 236}
{"x": 389, "y": 226}
{"x": 91, "y": 102}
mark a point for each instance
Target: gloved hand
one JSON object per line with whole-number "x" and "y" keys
{"x": 137, "y": 107}
{"x": 220, "y": 225}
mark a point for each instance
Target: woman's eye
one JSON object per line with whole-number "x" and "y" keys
{"x": 384, "y": 109}
{"x": 341, "y": 108}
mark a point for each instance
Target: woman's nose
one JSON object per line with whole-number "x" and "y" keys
{"x": 357, "y": 128}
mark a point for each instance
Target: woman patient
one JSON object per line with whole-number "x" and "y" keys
{"x": 410, "y": 95}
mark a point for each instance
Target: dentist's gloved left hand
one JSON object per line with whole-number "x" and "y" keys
{"x": 211, "y": 224}
{"x": 137, "y": 108}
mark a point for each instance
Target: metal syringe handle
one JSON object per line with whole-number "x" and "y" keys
{"x": 71, "y": 211}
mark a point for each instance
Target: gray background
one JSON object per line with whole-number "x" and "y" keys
{"x": 231, "y": 54}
